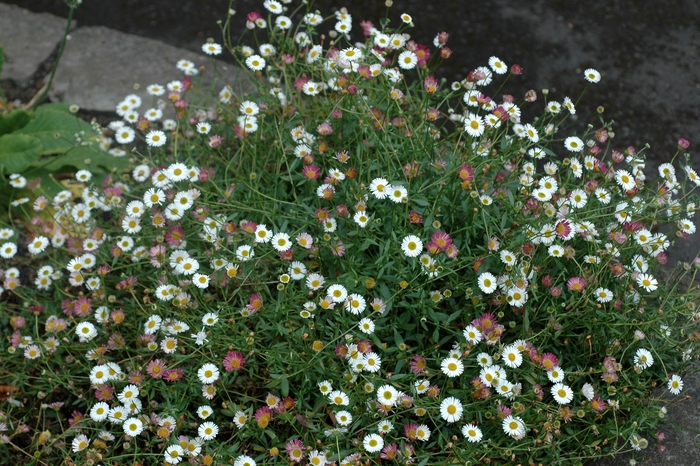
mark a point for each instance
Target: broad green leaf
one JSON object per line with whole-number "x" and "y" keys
{"x": 15, "y": 120}
{"x": 18, "y": 152}
{"x": 56, "y": 129}
{"x": 85, "y": 158}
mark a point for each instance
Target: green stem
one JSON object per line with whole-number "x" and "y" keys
{"x": 58, "y": 58}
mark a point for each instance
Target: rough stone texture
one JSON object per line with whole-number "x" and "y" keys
{"x": 101, "y": 66}
{"x": 28, "y": 39}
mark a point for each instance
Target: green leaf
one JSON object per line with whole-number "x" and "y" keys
{"x": 15, "y": 120}
{"x": 284, "y": 388}
{"x": 85, "y": 158}
{"x": 56, "y": 129}
{"x": 18, "y": 152}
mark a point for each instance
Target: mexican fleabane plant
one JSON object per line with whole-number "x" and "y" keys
{"x": 356, "y": 263}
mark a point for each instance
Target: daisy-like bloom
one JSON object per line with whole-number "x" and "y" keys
{"x": 366, "y": 326}
{"x": 361, "y": 218}
{"x": 240, "y": 418}
{"x": 407, "y": 60}
{"x": 211, "y": 48}
{"x": 351, "y": 54}
{"x": 531, "y": 133}
{"x": 542, "y": 195}
{"x": 281, "y": 242}
{"x": 8, "y": 250}
{"x": 273, "y": 6}
{"x": 315, "y": 281}
{"x": 487, "y": 282}
{"x": 373, "y": 443}
{"x": 412, "y": 246}
{"x": 423, "y": 433}
{"x": 80, "y": 443}
{"x": 187, "y": 67}
{"x": 569, "y": 104}
{"x": 99, "y": 411}
{"x": 325, "y": 387}
{"x": 498, "y": 66}
{"x": 338, "y": 293}
{"x": 339, "y": 398}
{"x": 513, "y": 426}
{"x": 387, "y": 395}
{"x": 625, "y": 179}
{"x": 578, "y": 198}
{"x": 155, "y": 138}
{"x": 452, "y": 367}
{"x": 602, "y": 195}
{"x": 675, "y": 384}
{"x": 385, "y": 426}
{"x": 169, "y": 345}
{"x": 233, "y": 361}
{"x": 591, "y": 75}
{"x": 262, "y": 234}
{"x": 283, "y": 22}
{"x": 647, "y": 281}
{"x": 173, "y": 454}
{"x": 201, "y": 281}
{"x": 118, "y": 414}
{"x": 86, "y": 331}
{"x": 451, "y": 409}
{"x": 562, "y": 394}
{"x": 507, "y": 257}
{"x": 511, "y": 356}
{"x": 555, "y": 374}
{"x": 133, "y": 427}
{"x": 472, "y": 334}
{"x": 398, "y": 194}
{"x": 152, "y": 324}
{"x": 208, "y": 373}
{"x": 80, "y": 213}
{"x": 472, "y": 433}
{"x": 643, "y": 359}
{"x": 208, "y": 430}
{"x": 553, "y": 107}
{"x": 204, "y": 411}
{"x": 587, "y": 391}
{"x": 474, "y": 125}
{"x": 573, "y": 144}
{"x": 187, "y": 266}
{"x": 210, "y": 319}
{"x": 344, "y": 418}
{"x": 379, "y": 187}
{"x": 155, "y": 89}
{"x": 153, "y": 114}
{"x": 603, "y": 295}
{"x": 312, "y": 88}
{"x": 203, "y": 127}
{"x": 372, "y": 362}
{"x": 686, "y": 226}
{"x": 128, "y": 393}
{"x": 32, "y": 352}
{"x": 124, "y": 135}
{"x": 255, "y": 62}
{"x": 244, "y": 253}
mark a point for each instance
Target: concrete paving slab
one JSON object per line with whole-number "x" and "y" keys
{"x": 100, "y": 66}
{"x": 28, "y": 39}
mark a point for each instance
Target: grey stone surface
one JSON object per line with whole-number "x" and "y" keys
{"x": 100, "y": 66}
{"x": 28, "y": 39}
